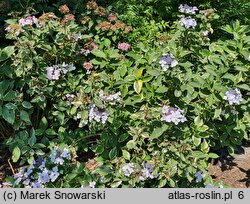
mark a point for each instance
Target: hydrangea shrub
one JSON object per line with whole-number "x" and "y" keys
{"x": 134, "y": 114}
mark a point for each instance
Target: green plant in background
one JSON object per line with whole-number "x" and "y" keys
{"x": 142, "y": 106}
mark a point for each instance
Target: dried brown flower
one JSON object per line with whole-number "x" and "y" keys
{"x": 105, "y": 25}
{"x": 46, "y": 17}
{"x": 120, "y": 57}
{"x": 91, "y": 164}
{"x": 67, "y": 18}
{"x": 85, "y": 19}
{"x": 15, "y": 29}
{"x": 120, "y": 25}
{"x": 64, "y": 9}
{"x": 128, "y": 29}
{"x": 91, "y": 5}
{"x": 100, "y": 11}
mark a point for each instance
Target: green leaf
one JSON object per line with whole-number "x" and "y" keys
{"x": 204, "y": 146}
{"x": 161, "y": 89}
{"x": 8, "y": 115}
{"x": 113, "y": 153}
{"x": 139, "y": 73}
{"x": 116, "y": 184}
{"x": 16, "y": 153}
{"x": 230, "y": 150}
{"x": 71, "y": 176}
{"x": 197, "y": 141}
{"x": 6, "y": 53}
{"x": 213, "y": 156}
{"x": 177, "y": 93}
{"x": 217, "y": 113}
{"x": 39, "y": 146}
{"x": 24, "y": 116}
{"x": 158, "y": 131}
{"x": 51, "y": 132}
{"x": 125, "y": 154}
{"x": 131, "y": 144}
{"x": 138, "y": 86}
{"x": 99, "y": 53}
{"x": 43, "y": 123}
{"x": 114, "y": 54}
{"x": 27, "y": 105}
{"x": 10, "y": 96}
{"x": 198, "y": 121}
{"x": 244, "y": 86}
{"x": 32, "y": 140}
{"x": 123, "y": 137}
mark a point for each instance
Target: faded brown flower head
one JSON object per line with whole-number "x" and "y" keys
{"x": 88, "y": 65}
{"x": 92, "y": 46}
{"x": 207, "y": 12}
{"x": 100, "y": 11}
{"x": 164, "y": 38}
{"x": 91, "y": 5}
{"x": 67, "y": 18}
{"x": 64, "y": 9}
{"x": 105, "y": 25}
{"x": 85, "y": 19}
{"x": 120, "y": 25}
{"x": 120, "y": 57}
{"x": 46, "y": 17}
{"x": 91, "y": 164}
{"x": 113, "y": 27}
{"x": 128, "y": 29}
{"x": 15, "y": 29}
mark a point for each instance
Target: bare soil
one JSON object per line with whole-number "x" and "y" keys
{"x": 234, "y": 171}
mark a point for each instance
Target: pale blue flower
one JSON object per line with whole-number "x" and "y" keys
{"x": 92, "y": 184}
{"x": 98, "y": 114}
{"x": 53, "y": 73}
{"x": 233, "y": 96}
{"x": 167, "y": 60}
{"x": 128, "y": 169}
{"x": 43, "y": 177}
{"x": 54, "y": 174}
{"x": 65, "y": 154}
{"x": 199, "y": 176}
{"x": 188, "y": 9}
{"x": 188, "y": 22}
{"x": 171, "y": 114}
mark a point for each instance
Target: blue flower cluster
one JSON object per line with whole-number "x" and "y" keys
{"x": 57, "y": 156}
{"x": 233, "y": 96}
{"x": 171, "y": 114}
{"x": 167, "y": 60}
{"x": 188, "y": 9}
{"x": 67, "y": 68}
{"x": 54, "y": 72}
{"x": 188, "y": 22}
{"x": 199, "y": 176}
{"x": 128, "y": 169}
{"x": 39, "y": 173}
{"x": 111, "y": 99}
{"x": 98, "y": 114}
{"x": 147, "y": 172}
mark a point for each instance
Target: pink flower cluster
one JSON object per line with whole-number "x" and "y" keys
{"x": 112, "y": 17}
{"x": 30, "y": 20}
{"x": 88, "y": 66}
{"x": 123, "y": 46}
